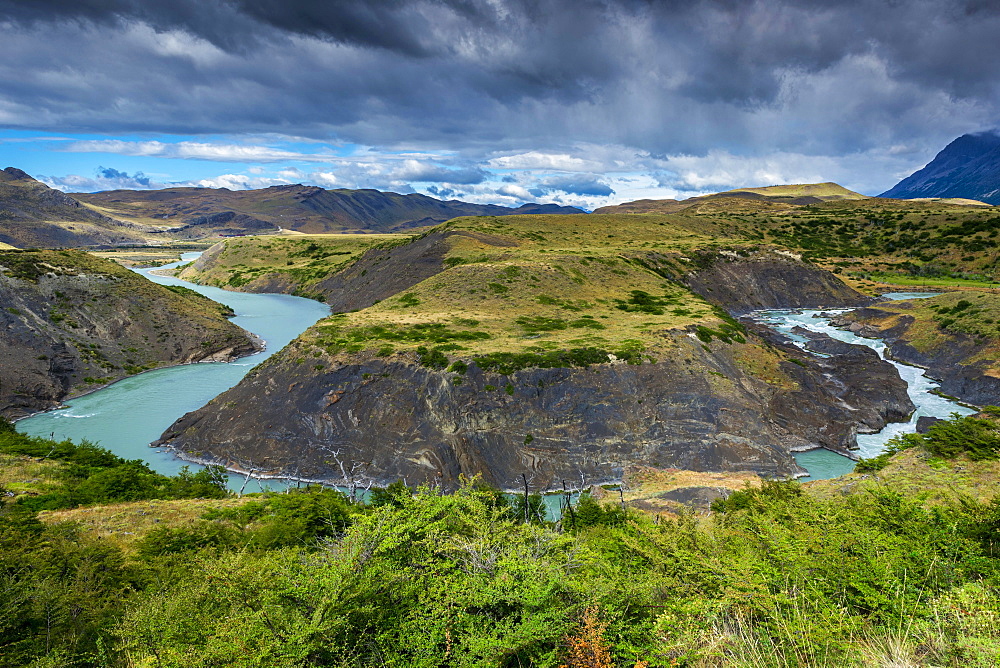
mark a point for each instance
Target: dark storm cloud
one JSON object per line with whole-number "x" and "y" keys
{"x": 473, "y": 75}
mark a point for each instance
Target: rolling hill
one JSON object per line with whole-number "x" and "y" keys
{"x": 795, "y": 195}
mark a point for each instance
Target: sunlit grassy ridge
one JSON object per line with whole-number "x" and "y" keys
{"x": 567, "y": 301}
{"x": 536, "y": 284}
{"x": 828, "y": 190}
{"x": 596, "y": 233}
{"x": 514, "y": 284}
{"x": 848, "y": 232}
{"x": 894, "y": 236}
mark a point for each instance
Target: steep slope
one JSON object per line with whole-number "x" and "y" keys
{"x": 967, "y": 168}
{"x": 535, "y": 345}
{"x": 308, "y": 209}
{"x": 71, "y": 322}
{"x": 34, "y": 215}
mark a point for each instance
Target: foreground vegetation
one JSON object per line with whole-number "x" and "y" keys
{"x": 775, "y": 576}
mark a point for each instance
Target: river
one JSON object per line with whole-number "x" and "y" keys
{"x": 127, "y": 416}
{"x": 826, "y": 464}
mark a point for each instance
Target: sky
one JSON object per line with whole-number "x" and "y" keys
{"x": 578, "y": 102}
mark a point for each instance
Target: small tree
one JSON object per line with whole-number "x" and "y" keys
{"x": 588, "y": 648}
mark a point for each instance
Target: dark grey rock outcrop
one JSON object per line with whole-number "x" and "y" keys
{"x": 698, "y": 410}
{"x": 746, "y": 281}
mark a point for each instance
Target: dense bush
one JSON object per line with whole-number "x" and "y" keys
{"x": 92, "y": 475}
{"x": 418, "y": 578}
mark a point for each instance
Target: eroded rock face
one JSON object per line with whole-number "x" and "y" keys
{"x": 66, "y": 318}
{"x": 698, "y": 410}
{"x": 869, "y": 385}
{"x": 741, "y": 283}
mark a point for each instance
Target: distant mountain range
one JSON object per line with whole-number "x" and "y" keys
{"x": 35, "y": 215}
{"x": 967, "y": 168}
{"x": 308, "y": 209}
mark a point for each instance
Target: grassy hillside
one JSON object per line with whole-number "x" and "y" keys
{"x": 34, "y": 215}
{"x": 782, "y": 197}
{"x": 872, "y": 238}
{"x": 299, "y": 260}
{"x": 823, "y": 191}
{"x": 512, "y": 285}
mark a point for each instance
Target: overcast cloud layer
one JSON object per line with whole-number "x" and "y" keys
{"x": 578, "y": 101}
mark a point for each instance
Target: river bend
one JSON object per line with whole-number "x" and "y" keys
{"x": 128, "y": 415}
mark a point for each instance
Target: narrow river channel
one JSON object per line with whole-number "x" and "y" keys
{"x": 127, "y": 416}
{"x": 824, "y": 463}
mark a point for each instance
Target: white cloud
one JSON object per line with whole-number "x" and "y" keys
{"x": 193, "y": 151}
{"x": 238, "y": 182}
{"x": 537, "y": 160}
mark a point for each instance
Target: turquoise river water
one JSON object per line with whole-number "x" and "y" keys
{"x": 824, "y": 463}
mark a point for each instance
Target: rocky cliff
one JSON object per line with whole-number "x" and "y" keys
{"x": 746, "y": 280}
{"x": 716, "y": 407}
{"x": 70, "y": 322}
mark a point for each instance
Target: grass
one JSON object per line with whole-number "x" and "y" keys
{"x": 21, "y": 475}
{"x": 644, "y": 487}
{"x": 930, "y": 282}
{"x": 829, "y": 190}
{"x": 510, "y": 302}
{"x": 123, "y": 524}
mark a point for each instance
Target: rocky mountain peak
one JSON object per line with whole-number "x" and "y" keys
{"x": 968, "y": 168}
